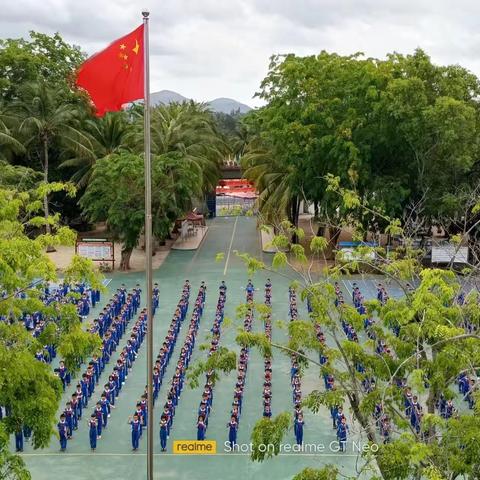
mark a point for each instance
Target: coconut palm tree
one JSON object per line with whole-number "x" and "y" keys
{"x": 45, "y": 117}
{"x": 7, "y": 137}
{"x": 274, "y": 181}
{"x": 99, "y": 138}
{"x": 187, "y": 130}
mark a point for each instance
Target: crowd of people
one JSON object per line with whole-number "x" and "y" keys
{"x": 139, "y": 419}
{"x": 83, "y": 297}
{"x": 207, "y": 395}
{"x": 79, "y": 294}
{"x": 242, "y": 366}
{"x": 110, "y": 325}
{"x": 295, "y": 375}
{"x": 177, "y": 383}
{"x": 267, "y": 380}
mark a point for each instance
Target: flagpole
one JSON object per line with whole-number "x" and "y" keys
{"x": 148, "y": 245}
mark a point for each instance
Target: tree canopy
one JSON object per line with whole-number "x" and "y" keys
{"x": 402, "y": 130}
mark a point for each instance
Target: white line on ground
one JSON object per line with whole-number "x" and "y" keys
{"x": 348, "y": 290}
{"x": 230, "y": 247}
{"x": 138, "y": 454}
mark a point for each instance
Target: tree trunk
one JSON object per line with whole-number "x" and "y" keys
{"x": 334, "y": 233}
{"x": 125, "y": 259}
{"x": 295, "y": 207}
{"x": 315, "y": 209}
{"x": 48, "y": 230}
{"x": 321, "y": 230}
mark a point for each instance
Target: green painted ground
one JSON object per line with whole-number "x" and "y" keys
{"x": 114, "y": 458}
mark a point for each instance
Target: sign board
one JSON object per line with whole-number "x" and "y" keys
{"x": 98, "y": 250}
{"x": 350, "y": 254}
{"x": 447, "y": 253}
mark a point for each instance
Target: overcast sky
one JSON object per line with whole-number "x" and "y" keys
{"x": 220, "y": 48}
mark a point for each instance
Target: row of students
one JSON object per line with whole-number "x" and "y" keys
{"x": 267, "y": 381}
{"x": 336, "y": 412}
{"x": 176, "y": 386}
{"x": 236, "y": 411}
{"x": 79, "y": 399}
{"x": 110, "y": 326}
{"x": 206, "y": 402}
{"x": 112, "y": 323}
{"x": 119, "y": 375}
{"x": 139, "y": 419}
{"x": 295, "y": 380}
{"x": 339, "y": 420}
{"x": 37, "y": 321}
{"x": 166, "y": 350}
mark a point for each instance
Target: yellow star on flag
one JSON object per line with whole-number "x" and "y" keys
{"x": 136, "y": 47}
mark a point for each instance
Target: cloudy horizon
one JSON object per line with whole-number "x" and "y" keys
{"x": 210, "y": 49}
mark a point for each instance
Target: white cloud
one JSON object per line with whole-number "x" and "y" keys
{"x": 212, "y": 48}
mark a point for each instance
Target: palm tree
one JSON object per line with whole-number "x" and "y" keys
{"x": 274, "y": 182}
{"x": 7, "y": 138}
{"x": 99, "y": 138}
{"x": 187, "y": 130}
{"x": 45, "y": 117}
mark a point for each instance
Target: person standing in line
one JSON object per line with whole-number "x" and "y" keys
{"x": 92, "y": 424}
{"x": 62, "y": 432}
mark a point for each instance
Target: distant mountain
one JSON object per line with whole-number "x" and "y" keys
{"x": 223, "y": 105}
{"x": 166, "y": 97}
{"x": 228, "y": 105}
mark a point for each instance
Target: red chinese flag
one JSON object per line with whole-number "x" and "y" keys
{"x": 115, "y": 75}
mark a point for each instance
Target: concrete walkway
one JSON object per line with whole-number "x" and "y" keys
{"x": 192, "y": 242}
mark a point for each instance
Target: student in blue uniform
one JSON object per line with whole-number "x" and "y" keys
{"x": 105, "y": 409}
{"x": 99, "y": 415}
{"x": 232, "y": 431}
{"x": 163, "y": 432}
{"x": 19, "y": 440}
{"x": 450, "y": 410}
{"x": 136, "y": 430}
{"x": 342, "y": 431}
{"x": 299, "y": 423}
{"x": 69, "y": 419}
{"x": 62, "y": 432}
{"x": 333, "y": 414}
{"x": 415, "y": 414}
{"x": 92, "y": 432}
{"x": 407, "y": 401}
{"x": 201, "y": 428}
{"x": 385, "y": 429}
{"x": 62, "y": 373}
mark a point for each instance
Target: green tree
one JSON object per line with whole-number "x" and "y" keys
{"x": 174, "y": 184}
{"x": 7, "y": 137}
{"x": 44, "y": 119}
{"x": 431, "y": 340}
{"x": 402, "y": 130}
{"x": 12, "y": 467}
{"x": 186, "y": 131}
{"x": 96, "y": 139}
{"x": 23, "y": 379}
{"x": 41, "y": 57}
